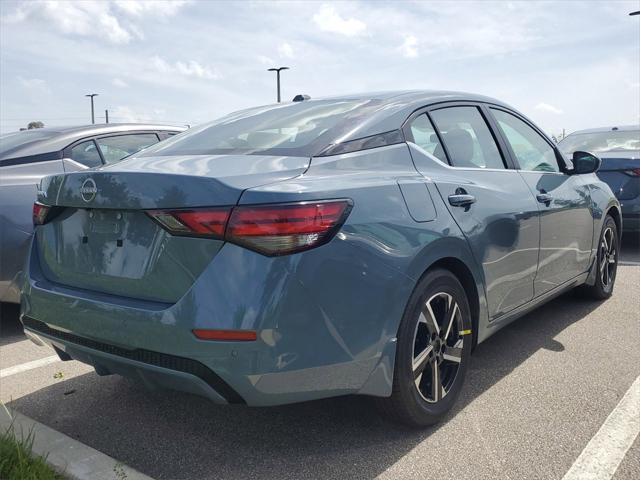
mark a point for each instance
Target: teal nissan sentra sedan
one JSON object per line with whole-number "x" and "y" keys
{"x": 355, "y": 245}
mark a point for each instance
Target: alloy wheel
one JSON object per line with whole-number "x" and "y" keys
{"x": 608, "y": 257}
{"x": 437, "y": 347}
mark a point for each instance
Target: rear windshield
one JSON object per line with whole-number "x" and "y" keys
{"x": 615, "y": 140}
{"x": 12, "y": 142}
{"x": 295, "y": 129}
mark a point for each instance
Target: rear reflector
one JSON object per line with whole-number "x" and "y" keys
{"x": 226, "y": 335}
{"x": 274, "y": 229}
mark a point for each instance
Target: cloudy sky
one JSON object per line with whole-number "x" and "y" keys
{"x": 567, "y": 64}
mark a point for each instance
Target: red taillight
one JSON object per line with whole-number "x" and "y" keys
{"x": 634, "y": 172}
{"x": 40, "y": 213}
{"x": 269, "y": 229}
{"x": 200, "y": 222}
{"x": 281, "y": 229}
{"x": 226, "y": 335}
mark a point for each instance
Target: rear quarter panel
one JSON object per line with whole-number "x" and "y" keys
{"x": 18, "y": 188}
{"x": 358, "y": 285}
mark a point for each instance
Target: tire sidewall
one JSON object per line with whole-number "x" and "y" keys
{"x": 608, "y": 223}
{"x": 432, "y": 283}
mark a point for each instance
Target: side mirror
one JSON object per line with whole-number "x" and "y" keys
{"x": 585, "y": 162}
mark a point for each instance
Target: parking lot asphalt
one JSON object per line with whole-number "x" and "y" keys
{"x": 535, "y": 394}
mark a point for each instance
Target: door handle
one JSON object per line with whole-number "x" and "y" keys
{"x": 461, "y": 199}
{"x": 544, "y": 197}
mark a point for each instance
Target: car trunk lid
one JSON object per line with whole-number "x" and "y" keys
{"x": 102, "y": 239}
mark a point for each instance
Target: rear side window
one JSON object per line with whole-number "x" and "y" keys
{"x": 11, "y": 142}
{"x": 424, "y": 135}
{"x": 467, "y": 138}
{"x": 116, "y": 148}
{"x": 87, "y": 154}
{"x": 531, "y": 150}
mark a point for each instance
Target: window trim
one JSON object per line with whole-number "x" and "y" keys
{"x": 562, "y": 166}
{"x": 506, "y": 157}
{"x": 67, "y": 150}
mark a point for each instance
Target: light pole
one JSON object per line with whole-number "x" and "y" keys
{"x": 278, "y": 70}
{"x": 91, "y": 95}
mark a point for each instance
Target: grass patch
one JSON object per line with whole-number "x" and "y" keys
{"x": 17, "y": 460}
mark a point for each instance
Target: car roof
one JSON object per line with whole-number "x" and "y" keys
{"x": 391, "y": 108}
{"x": 624, "y": 128}
{"x": 61, "y": 137}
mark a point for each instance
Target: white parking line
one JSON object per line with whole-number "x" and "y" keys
{"x": 600, "y": 458}
{"x": 23, "y": 367}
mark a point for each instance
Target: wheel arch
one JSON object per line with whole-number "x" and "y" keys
{"x": 465, "y": 276}
{"x": 614, "y": 211}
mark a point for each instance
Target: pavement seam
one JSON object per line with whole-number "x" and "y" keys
{"x": 66, "y": 455}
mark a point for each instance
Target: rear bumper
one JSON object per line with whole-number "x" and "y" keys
{"x": 155, "y": 370}
{"x": 317, "y": 338}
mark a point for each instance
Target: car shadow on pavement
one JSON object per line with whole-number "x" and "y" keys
{"x": 171, "y": 435}
{"x": 10, "y": 326}
{"x": 630, "y": 248}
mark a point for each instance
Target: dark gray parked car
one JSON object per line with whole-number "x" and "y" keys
{"x": 27, "y": 156}
{"x": 619, "y": 149}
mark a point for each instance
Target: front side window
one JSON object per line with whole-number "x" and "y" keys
{"x": 116, "y": 148}
{"x": 532, "y": 151}
{"x": 467, "y": 137}
{"x": 87, "y": 154}
{"x": 424, "y": 135}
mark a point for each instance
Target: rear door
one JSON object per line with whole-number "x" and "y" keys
{"x": 566, "y": 221}
{"x": 490, "y": 201}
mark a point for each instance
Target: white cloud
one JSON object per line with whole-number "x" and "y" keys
{"x": 117, "y": 82}
{"x": 409, "y": 47}
{"x": 265, "y": 60}
{"x": 127, "y": 114}
{"x": 328, "y": 20}
{"x": 35, "y": 85}
{"x": 106, "y": 20}
{"x": 138, "y": 7}
{"x": 285, "y": 50}
{"x": 190, "y": 68}
{"x": 545, "y": 107}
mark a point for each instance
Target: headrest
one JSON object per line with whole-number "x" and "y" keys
{"x": 460, "y": 146}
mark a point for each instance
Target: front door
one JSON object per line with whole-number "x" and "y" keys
{"x": 491, "y": 203}
{"x": 566, "y": 222}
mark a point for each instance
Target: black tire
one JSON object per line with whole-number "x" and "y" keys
{"x": 608, "y": 250}
{"x": 414, "y": 401}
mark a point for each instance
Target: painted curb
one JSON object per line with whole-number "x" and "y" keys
{"x": 73, "y": 459}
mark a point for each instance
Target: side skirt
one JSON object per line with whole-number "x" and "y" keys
{"x": 502, "y": 321}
